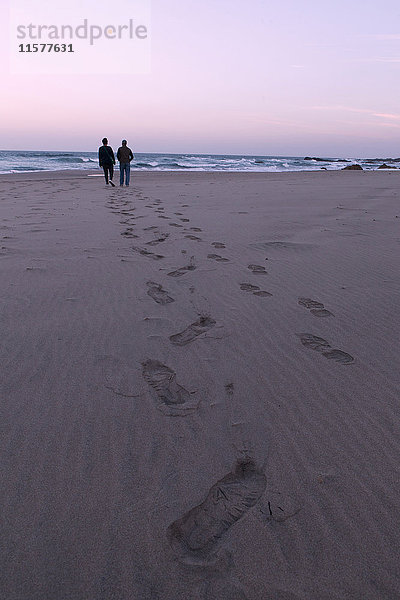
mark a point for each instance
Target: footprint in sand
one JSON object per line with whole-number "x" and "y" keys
{"x": 183, "y": 270}
{"x": 175, "y": 225}
{"x": 193, "y": 237}
{"x": 159, "y": 295}
{"x": 202, "y": 325}
{"x": 229, "y": 388}
{"x": 218, "y": 245}
{"x": 162, "y": 237}
{"x": 248, "y": 287}
{"x": 257, "y": 269}
{"x": 316, "y": 308}
{"x": 195, "y": 537}
{"x": 128, "y": 233}
{"x": 172, "y": 399}
{"x": 145, "y": 252}
{"x": 323, "y": 347}
{"x": 195, "y": 229}
{"x": 217, "y": 257}
{"x": 185, "y": 220}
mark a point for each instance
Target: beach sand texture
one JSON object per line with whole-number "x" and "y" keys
{"x": 199, "y": 387}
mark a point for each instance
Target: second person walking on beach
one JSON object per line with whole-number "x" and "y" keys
{"x": 124, "y": 156}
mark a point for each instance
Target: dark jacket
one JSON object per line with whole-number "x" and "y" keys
{"x": 106, "y": 156}
{"x": 124, "y": 154}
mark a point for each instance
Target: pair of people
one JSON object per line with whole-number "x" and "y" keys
{"x": 107, "y": 161}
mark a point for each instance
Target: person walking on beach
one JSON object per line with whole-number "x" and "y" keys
{"x": 107, "y": 161}
{"x": 124, "y": 156}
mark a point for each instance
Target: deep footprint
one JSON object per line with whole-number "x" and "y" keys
{"x": 202, "y": 325}
{"x": 159, "y": 295}
{"x": 172, "y": 399}
{"x": 320, "y": 345}
{"x": 196, "y": 536}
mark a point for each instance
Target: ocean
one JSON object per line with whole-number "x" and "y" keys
{"x": 30, "y": 161}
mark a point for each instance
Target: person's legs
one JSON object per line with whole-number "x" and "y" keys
{"x": 127, "y": 174}
{"x": 121, "y": 173}
{"x": 108, "y": 173}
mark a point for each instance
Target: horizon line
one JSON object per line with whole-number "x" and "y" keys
{"x": 209, "y": 154}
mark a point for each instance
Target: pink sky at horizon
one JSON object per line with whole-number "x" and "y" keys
{"x": 285, "y": 78}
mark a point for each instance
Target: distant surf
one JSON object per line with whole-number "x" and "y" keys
{"x": 29, "y": 161}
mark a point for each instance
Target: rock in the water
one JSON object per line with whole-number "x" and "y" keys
{"x": 385, "y": 166}
{"x": 355, "y": 167}
{"x": 330, "y": 160}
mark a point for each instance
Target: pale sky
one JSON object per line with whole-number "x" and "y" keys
{"x": 299, "y": 78}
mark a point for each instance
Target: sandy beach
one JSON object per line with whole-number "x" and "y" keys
{"x": 200, "y": 386}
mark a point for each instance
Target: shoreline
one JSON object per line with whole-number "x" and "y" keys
{"x": 94, "y": 173}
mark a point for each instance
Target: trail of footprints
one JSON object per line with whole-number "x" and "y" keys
{"x": 160, "y": 296}
{"x": 319, "y": 344}
{"x": 197, "y": 535}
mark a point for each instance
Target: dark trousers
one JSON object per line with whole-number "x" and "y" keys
{"x": 108, "y": 171}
